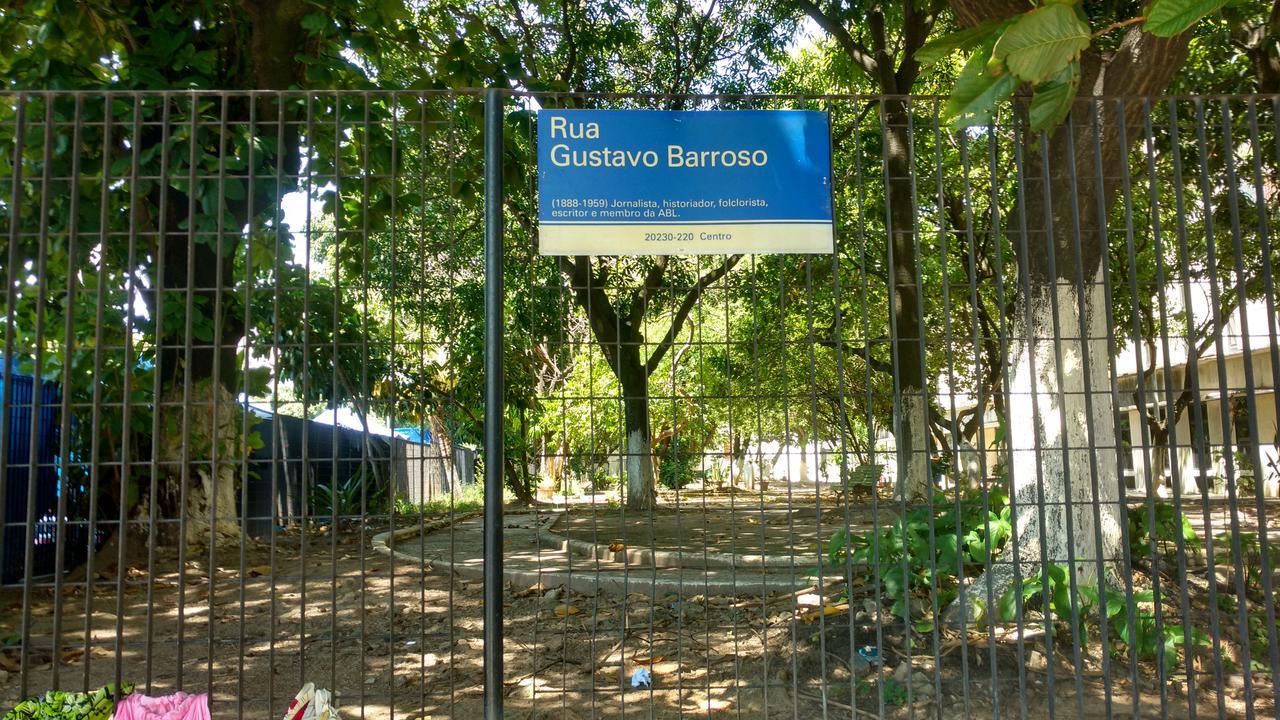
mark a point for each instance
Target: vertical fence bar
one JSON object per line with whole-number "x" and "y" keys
{"x": 37, "y": 388}
{"x": 95, "y": 465}
{"x": 10, "y": 302}
{"x": 494, "y": 452}
{"x": 64, "y": 433}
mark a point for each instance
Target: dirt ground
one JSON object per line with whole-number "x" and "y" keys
{"x": 252, "y": 623}
{"x": 777, "y": 523}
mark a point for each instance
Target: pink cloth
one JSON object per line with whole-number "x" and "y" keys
{"x": 178, "y": 706}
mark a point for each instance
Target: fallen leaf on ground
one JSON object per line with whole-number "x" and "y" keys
{"x": 566, "y": 610}
{"x": 824, "y": 611}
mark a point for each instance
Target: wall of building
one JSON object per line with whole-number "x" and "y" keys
{"x": 1188, "y": 467}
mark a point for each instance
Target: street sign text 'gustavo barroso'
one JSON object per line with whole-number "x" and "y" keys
{"x": 657, "y": 182}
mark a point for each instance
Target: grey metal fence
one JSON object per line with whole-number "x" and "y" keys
{"x": 1009, "y": 451}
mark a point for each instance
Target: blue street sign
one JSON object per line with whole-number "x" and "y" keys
{"x": 664, "y": 182}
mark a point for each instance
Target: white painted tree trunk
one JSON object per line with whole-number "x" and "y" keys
{"x": 1058, "y": 516}
{"x": 914, "y": 474}
{"x": 639, "y": 471}
{"x": 804, "y": 458}
{"x": 638, "y": 445}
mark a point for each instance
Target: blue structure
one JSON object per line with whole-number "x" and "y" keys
{"x": 25, "y": 406}
{"x": 414, "y": 435}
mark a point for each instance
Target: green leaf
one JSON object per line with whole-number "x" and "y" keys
{"x": 894, "y": 583}
{"x": 1116, "y": 605}
{"x": 1042, "y": 43}
{"x": 899, "y": 608}
{"x": 1031, "y": 589}
{"x": 1052, "y": 100}
{"x": 1008, "y": 606}
{"x": 977, "y": 91}
{"x": 1058, "y": 574}
{"x": 947, "y": 550}
{"x": 1062, "y": 600}
{"x": 233, "y": 189}
{"x": 1167, "y": 18}
{"x": 967, "y": 39}
{"x": 314, "y": 22}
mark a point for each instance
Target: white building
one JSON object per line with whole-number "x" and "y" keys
{"x": 1198, "y": 449}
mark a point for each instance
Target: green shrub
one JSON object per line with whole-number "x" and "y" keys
{"x": 1051, "y": 593}
{"x": 346, "y": 500}
{"x": 1169, "y": 525}
{"x": 470, "y": 498}
{"x": 677, "y": 466}
{"x": 960, "y": 543}
{"x": 1250, "y": 560}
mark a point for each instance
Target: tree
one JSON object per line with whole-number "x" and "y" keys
{"x": 606, "y": 47}
{"x": 1062, "y": 407}
{"x": 861, "y": 32}
{"x": 180, "y": 195}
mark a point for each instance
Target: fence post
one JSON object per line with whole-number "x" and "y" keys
{"x": 493, "y": 405}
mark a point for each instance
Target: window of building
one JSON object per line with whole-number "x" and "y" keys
{"x": 1126, "y": 447}
{"x": 1199, "y": 415}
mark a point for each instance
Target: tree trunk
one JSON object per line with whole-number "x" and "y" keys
{"x": 203, "y": 356}
{"x": 738, "y": 461}
{"x": 638, "y": 455}
{"x": 212, "y": 432}
{"x": 442, "y": 453}
{"x": 1159, "y": 456}
{"x": 911, "y": 420}
{"x": 518, "y": 480}
{"x": 1056, "y": 443}
{"x": 803, "y": 437}
{"x": 1053, "y": 424}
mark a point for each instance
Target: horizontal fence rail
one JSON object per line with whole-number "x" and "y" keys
{"x": 1011, "y": 450}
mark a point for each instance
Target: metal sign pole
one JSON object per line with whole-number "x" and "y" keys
{"x": 493, "y": 405}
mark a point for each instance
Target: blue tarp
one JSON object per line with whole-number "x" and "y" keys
{"x": 413, "y": 434}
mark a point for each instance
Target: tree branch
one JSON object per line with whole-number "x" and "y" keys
{"x": 861, "y": 352}
{"x": 682, "y": 313}
{"x": 652, "y": 281}
{"x": 571, "y": 61}
{"x": 858, "y": 53}
{"x": 588, "y": 293}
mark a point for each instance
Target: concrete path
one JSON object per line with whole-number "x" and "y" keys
{"x": 534, "y": 555}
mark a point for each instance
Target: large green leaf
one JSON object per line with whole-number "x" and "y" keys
{"x": 1052, "y": 100}
{"x": 1008, "y": 605}
{"x": 1167, "y": 18}
{"x": 967, "y": 39}
{"x": 977, "y": 90}
{"x": 1042, "y": 42}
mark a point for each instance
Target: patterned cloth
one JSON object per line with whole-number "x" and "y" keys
{"x": 59, "y": 705}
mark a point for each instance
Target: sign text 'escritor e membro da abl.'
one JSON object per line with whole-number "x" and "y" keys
{"x": 659, "y": 182}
